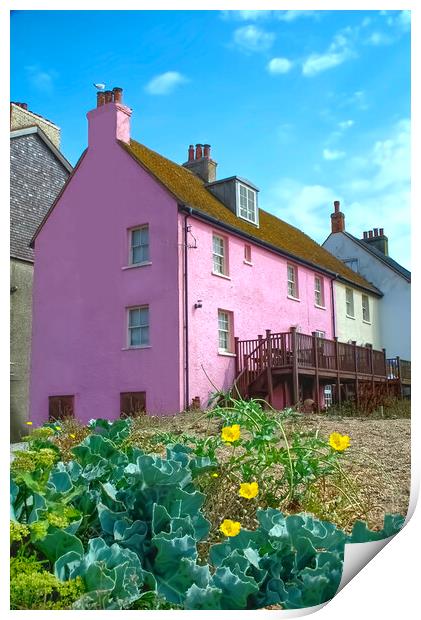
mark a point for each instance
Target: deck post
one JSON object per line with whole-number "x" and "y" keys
{"x": 357, "y": 391}
{"x": 316, "y": 366}
{"x": 385, "y": 372}
{"x": 269, "y": 366}
{"x": 398, "y": 363}
{"x": 260, "y": 338}
{"x": 371, "y": 361}
{"x": 338, "y": 372}
{"x": 295, "y": 384}
{"x": 237, "y": 355}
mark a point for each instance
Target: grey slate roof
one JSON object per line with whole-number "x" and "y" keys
{"x": 37, "y": 174}
{"x": 385, "y": 259}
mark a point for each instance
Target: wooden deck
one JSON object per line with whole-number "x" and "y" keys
{"x": 262, "y": 362}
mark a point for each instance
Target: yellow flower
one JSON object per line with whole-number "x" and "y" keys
{"x": 231, "y": 433}
{"x": 248, "y": 489}
{"x": 215, "y": 475}
{"x": 72, "y": 436}
{"x": 230, "y": 528}
{"x": 58, "y": 428}
{"x": 339, "y": 442}
{"x": 29, "y": 423}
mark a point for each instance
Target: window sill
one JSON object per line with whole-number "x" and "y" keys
{"x": 348, "y": 316}
{"x": 142, "y": 346}
{"x": 136, "y": 265}
{"x": 247, "y": 262}
{"x": 320, "y": 307}
{"x": 293, "y": 298}
{"x": 367, "y": 322}
{"x": 226, "y": 353}
{"x": 220, "y": 275}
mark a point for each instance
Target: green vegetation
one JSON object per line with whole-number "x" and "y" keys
{"x": 116, "y": 516}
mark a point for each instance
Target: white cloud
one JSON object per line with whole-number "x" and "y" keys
{"x": 374, "y": 190}
{"x": 279, "y": 65}
{"x": 286, "y": 16}
{"x": 165, "y": 83}
{"x": 339, "y": 50}
{"x": 346, "y": 124}
{"x": 378, "y": 38}
{"x": 331, "y": 155}
{"x": 253, "y": 39}
{"x": 41, "y": 80}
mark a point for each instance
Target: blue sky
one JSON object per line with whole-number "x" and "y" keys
{"x": 311, "y": 106}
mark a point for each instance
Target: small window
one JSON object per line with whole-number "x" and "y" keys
{"x": 132, "y": 404}
{"x": 320, "y": 334}
{"x": 328, "y": 396}
{"x": 366, "y": 308}
{"x": 139, "y": 245}
{"x": 138, "y": 335}
{"x": 225, "y": 331}
{"x": 247, "y": 203}
{"x": 220, "y": 259}
{"x": 352, "y": 263}
{"x": 60, "y": 407}
{"x": 319, "y": 298}
{"x": 292, "y": 282}
{"x": 247, "y": 253}
{"x": 349, "y": 295}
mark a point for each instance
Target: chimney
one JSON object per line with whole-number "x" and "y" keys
{"x": 109, "y": 121}
{"x": 376, "y": 238}
{"x": 337, "y": 218}
{"x": 365, "y": 234}
{"x": 201, "y": 163}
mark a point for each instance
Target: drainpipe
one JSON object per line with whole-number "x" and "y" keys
{"x": 186, "y": 316}
{"x": 333, "y": 304}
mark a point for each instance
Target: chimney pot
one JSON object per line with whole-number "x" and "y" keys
{"x": 199, "y": 153}
{"x": 108, "y": 94}
{"x": 100, "y": 98}
{"x": 24, "y": 106}
{"x": 206, "y": 151}
{"x": 337, "y": 206}
{"x": 191, "y": 153}
{"x": 381, "y": 232}
{"x": 365, "y": 234}
{"x": 370, "y": 234}
{"x": 118, "y": 94}
{"x": 376, "y": 232}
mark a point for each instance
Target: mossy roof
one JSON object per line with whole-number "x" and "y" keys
{"x": 190, "y": 190}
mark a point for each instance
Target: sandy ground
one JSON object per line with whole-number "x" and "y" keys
{"x": 380, "y": 454}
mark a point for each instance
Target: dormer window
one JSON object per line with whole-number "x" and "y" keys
{"x": 247, "y": 203}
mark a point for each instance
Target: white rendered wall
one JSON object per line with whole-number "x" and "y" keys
{"x": 394, "y": 306}
{"x": 356, "y": 328}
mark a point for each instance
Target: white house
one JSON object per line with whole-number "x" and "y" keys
{"x": 370, "y": 258}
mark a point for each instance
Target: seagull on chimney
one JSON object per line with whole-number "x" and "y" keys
{"x": 99, "y": 86}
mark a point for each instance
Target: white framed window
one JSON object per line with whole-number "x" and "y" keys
{"x": 328, "y": 396}
{"x": 247, "y": 253}
{"x": 319, "y": 297}
{"x": 247, "y": 203}
{"x": 225, "y": 331}
{"x": 292, "y": 281}
{"x": 220, "y": 255}
{"x": 320, "y": 334}
{"x": 366, "y": 308}
{"x": 349, "y": 299}
{"x": 139, "y": 245}
{"x": 138, "y": 326}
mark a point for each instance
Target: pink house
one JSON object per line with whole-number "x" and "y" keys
{"x": 149, "y": 277}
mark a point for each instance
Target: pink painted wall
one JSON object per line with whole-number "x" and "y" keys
{"x": 257, "y": 296}
{"x": 81, "y": 292}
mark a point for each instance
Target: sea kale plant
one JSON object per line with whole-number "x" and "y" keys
{"x": 118, "y": 528}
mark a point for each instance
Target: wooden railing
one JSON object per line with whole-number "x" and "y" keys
{"x": 289, "y": 349}
{"x": 398, "y": 369}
